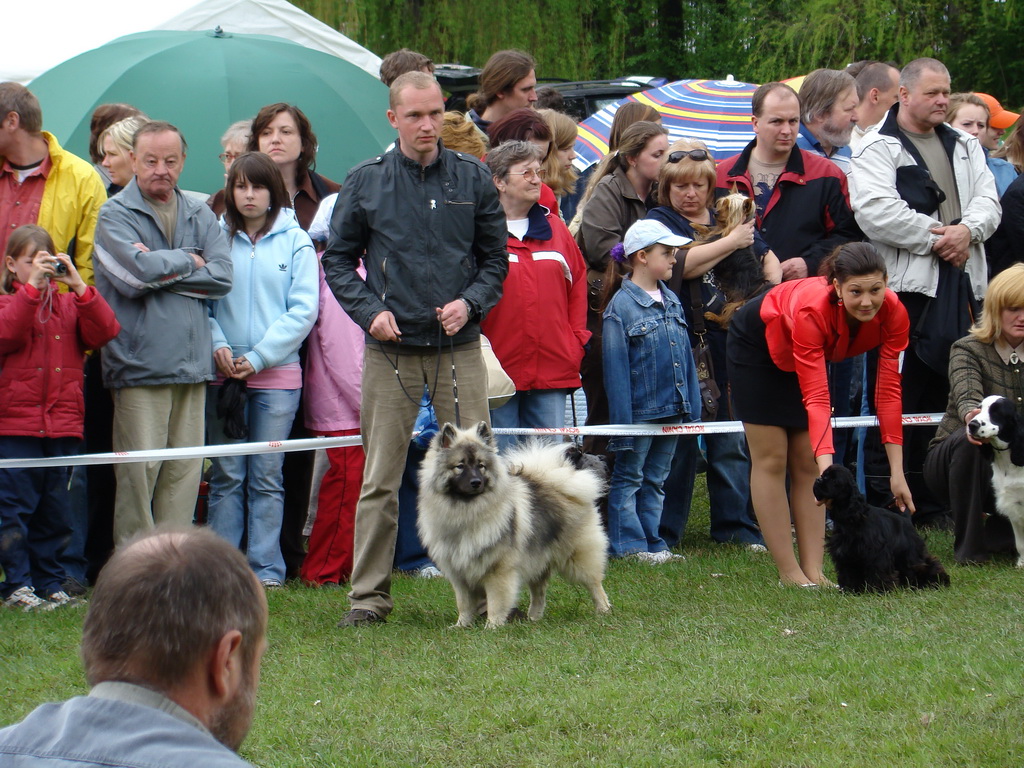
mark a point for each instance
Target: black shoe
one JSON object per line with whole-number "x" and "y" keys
{"x": 360, "y": 617}
{"x": 73, "y": 587}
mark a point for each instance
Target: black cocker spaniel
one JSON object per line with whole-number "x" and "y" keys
{"x": 873, "y": 549}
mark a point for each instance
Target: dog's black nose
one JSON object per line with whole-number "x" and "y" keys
{"x": 973, "y": 427}
{"x": 475, "y": 483}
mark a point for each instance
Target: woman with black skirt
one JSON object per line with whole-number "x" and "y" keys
{"x": 778, "y": 348}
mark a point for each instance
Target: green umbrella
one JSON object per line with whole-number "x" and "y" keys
{"x": 204, "y": 81}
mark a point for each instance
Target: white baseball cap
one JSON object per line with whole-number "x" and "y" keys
{"x": 647, "y": 232}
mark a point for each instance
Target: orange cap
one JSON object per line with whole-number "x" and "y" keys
{"x": 997, "y": 116}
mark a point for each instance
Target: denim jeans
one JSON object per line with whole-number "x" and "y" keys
{"x": 34, "y": 523}
{"x": 530, "y": 408}
{"x": 247, "y": 492}
{"x": 728, "y": 479}
{"x": 636, "y": 496}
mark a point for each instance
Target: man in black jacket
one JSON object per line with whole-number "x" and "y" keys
{"x": 429, "y": 228}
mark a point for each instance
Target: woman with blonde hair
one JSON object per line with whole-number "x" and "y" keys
{"x": 116, "y": 143}
{"x": 985, "y": 362}
{"x": 1013, "y": 147}
{"x": 561, "y": 176}
{"x": 459, "y": 134}
{"x": 970, "y": 113}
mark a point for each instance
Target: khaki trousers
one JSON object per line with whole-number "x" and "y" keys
{"x": 157, "y": 492}
{"x": 386, "y": 421}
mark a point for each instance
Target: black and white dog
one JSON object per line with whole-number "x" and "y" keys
{"x": 873, "y": 549}
{"x": 1000, "y": 424}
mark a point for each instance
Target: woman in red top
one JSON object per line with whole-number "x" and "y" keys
{"x": 778, "y": 348}
{"x": 539, "y": 327}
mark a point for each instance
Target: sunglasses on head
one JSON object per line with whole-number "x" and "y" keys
{"x": 694, "y": 154}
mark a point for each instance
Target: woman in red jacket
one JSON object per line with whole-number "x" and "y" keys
{"x": 43, "y": 338}
{"x": 778, "y": 349}
{"x": 539, "y": 326}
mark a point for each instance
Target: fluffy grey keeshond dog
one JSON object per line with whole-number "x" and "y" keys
{"x": 493, "y": 523}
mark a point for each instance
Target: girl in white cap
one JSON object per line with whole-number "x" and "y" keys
{"x": 650, "y": 378}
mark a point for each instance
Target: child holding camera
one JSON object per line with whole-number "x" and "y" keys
{"x": 44, "y": 335}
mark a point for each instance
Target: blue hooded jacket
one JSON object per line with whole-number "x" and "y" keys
{"x": 274, "y": 300}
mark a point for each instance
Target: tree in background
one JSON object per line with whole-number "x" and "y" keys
{"x": 754, "y": 40}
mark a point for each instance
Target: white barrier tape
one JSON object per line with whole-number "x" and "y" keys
{"x": 702, "y": 428}
{"x": 316, "y": 443}
{"x": 195, "y": 452}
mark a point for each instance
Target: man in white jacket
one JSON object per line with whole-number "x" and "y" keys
{"x": 922, "y": 193}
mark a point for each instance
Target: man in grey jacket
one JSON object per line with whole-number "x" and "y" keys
{"x": 171, "y": 646}
{"x": 909, "y": 153}
{"x": 159, "y": 256}
{"x": 427, "y": 224}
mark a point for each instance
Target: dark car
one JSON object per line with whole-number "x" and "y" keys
{"x": 458, "y": 81}
{"x": 582, "y": 98}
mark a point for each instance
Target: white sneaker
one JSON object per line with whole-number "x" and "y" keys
{"x": 25, "y": 599}
{"x": 429, "y": 572}
{"x": 758, "y": 548}
{"x": 665, "y": 556}
{"x": 644, "y": 557}
{"x": 63, "y": 599}
{"x": 658, "y": 558}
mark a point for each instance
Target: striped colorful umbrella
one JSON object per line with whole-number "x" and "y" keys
{"x": 715, "y": 111}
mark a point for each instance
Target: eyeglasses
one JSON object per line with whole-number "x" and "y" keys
{"x": 694, "y": 154}
{"x": 228, "y": 157}
{"x": 529, "y": 174}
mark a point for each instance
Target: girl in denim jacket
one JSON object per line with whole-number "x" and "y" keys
{"x": 650, "y": 378}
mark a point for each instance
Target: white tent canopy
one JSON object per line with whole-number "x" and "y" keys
{"x": 44, "y": 34}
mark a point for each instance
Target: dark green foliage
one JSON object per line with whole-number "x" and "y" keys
{"x": 755, "y": 40}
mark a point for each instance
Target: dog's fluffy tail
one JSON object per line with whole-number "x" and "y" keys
{"x": 546, "y": 464}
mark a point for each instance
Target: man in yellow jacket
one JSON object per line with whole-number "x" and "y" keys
{"x": 41, "y": 183}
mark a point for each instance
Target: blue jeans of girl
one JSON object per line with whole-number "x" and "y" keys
{"x": 247, "y": 492}
{"x": 34, "y": 523}
{"x": 636, "y": 496}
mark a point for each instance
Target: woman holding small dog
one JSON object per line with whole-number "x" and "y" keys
{"x": 650, "y": 378}
{"x": 778, "y": 349}
{"x": 986, "y": 362}
{"x": 686, "y": 189}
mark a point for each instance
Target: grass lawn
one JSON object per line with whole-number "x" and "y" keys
{"x": 705, "y": 662}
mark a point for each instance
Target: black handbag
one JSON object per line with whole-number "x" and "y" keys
{"x": 709, "y": 390}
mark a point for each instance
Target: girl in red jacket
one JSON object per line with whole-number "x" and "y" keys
{"x": 43, "y": 338}
{"x": 777, "y": 351}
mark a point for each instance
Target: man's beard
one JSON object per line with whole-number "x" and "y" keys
{"x": 230, "y": 724}
{"x": 836, "y": 136}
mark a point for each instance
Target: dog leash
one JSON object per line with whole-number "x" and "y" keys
{"x": 455, "y": 383}
{"x": 437, "y": 372}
